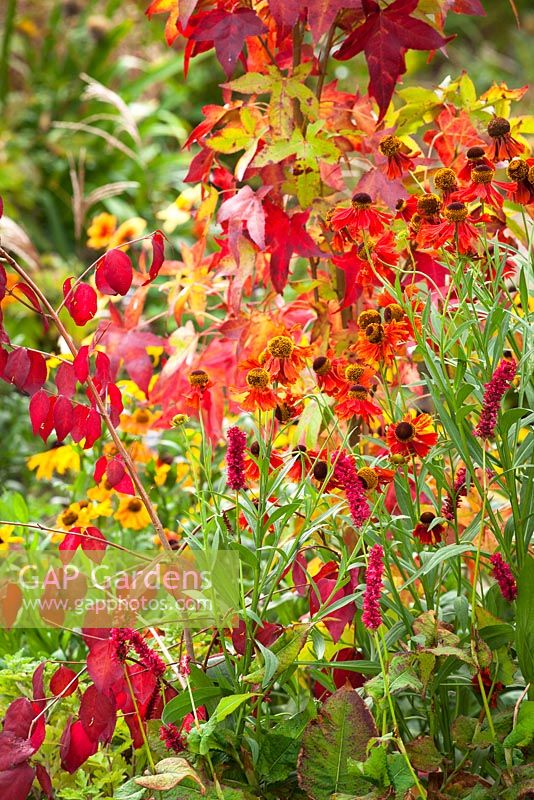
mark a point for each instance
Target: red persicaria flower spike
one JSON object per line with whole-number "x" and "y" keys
{"x": 372, "y": 616}
{"x": 170, "y": 734}
{"x": 503, "y": 575}
{"x": 505, "y": 146}
{"x": 124, "y": 638}
{"x": 235, "y": 458}
{"x": 345, "y": 474}
{"x": 183, "y": 666}
{"x": 459, "y": 490}
{"x": 494, "y": 392}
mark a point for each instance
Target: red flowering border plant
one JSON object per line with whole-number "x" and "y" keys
{"x": 352, "y": 319}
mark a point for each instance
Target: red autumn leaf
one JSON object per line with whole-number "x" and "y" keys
{"x": 45, "y": 781}
{"x": 102, "y": 369}
{"x": 90, "y": 539}
{"x": 81, "y": 302}
{"x": 98, "y": 715}
{"x": 81, "y": 364}
{"x": 158, "y": 255}
{"x": 26, "y": 369}
{"x": 114, "y": 273}
{"x": 13, "y": 749}
{"x": 30, "y": 295}
{"x": 115, "y": 402}
{"x": 385, "y": 36}
{"x": 341, "y": 677}
{"x": 321, "y": 14}
{"x": 75, "y": 746}
{"x": 63, "y": 417}
{"x": 228, "y": 31}
{"x": 66, "y": 379}
{"x": 118, "y": 473}
{"x": 19, "y": 720}
{"x": 105, "y": 670}
{"x": 267, "y": 634}
{"x": 455, "y": 134}
{"x": 284, "y": 236}
{"x": 93, "y": 428}
{"x": 200, "y": 167}
{"x": 178, "y": 12}
{"x": 41, "y": 406}
{"x": 245, "y": 206}
{"x": 63, "y": 682}
{"x": 16, "y": 783}
{"x": 473, "y": 8}
{"x": 39, "y": 697}
{"x": 322, "y": 590}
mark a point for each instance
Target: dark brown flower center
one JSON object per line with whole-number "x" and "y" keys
{"x": 456, "y": 212}
{"x": 427, "y": 517}
{"x": 389, "y": 145}
{"x": 367, "y": 317}
{"x": 482, "y": 174}
{"x": 134, "y": 505}
{"x": 255, "y": 449}
{"x": 517, "y": 169}
{"x": 321, "y": 365}
{"x": 445, "y": 179}
{"x": 475, "y": 153}
{"x": 357, "y": 391}
{"x": 70, "y": 517}
{"x": 498, "y": 127}
{"x": 198, "y": 378}
{"x": 361, "y": 200}
{"x": 258, "y": 378}
{"x": 374, "y": 333}
{"x": 354, "y": 372}
{"x": 428, "y": 205}
{"x": 404, "y": 431}
{"x": 368, "y": 477}
{"x": 320, "y": 470}
{"x": 393, "y": 311}
{"x": 280, "y": 347}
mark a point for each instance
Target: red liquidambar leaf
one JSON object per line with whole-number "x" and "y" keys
{"x": 114, "y": 273}
{"x": 63, "y": 417}
{"x": 228, "y": 31}
{"x": 284, "y": 236}
{"x": 81, "y": 302}
{"x": 200, "y": 167}
{"x": 63, "y": 682}
{"x": 385, "y": 36}
{"x": 98, "y": 715}
{"x": 321, "y": 13}
{"x": 158, "y": 256}
{"x": 45, "y": 782}
{"x": 75, "y": 746}
{"x": 16, "y": 783}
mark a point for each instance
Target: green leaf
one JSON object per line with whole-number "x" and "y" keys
{"x": 523, "y": 732}
{"x": 227, "y": 705}
{"x": 179, "y": 706}
{"x": 525, "y": 621}
{"x": 250, "y": 83}
{"x": 341, "y": 732}
{"x": 424, "y": 754}
{"x": 286, "y": 650}
{"x": 280, "y": 747}
{"x": 399, "y": 774}
{"x": 129, "y": 791}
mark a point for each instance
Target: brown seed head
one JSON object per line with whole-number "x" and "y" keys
{"x": 354, "y": 372}
{"x": 404, "y": 431}
{"x": 517, "y": 169}
{"x": 357, "y": 391}
{"x": 258, "y": 378}
{"x": 498, "y": 127}
{"x": 198, "y": 378}
{"x": 321, "y": 365}
{"x": 368, "y": 477}
{"x": 389, "y": 145}
{"x": 445, "y": 179}
{"x": 393, "y": 311}
{"x": 427, "y": 517}
{"x": 280, "y": 347}
{"x": 361, "y": 200}
{"x": 428, "y": 205}
{"x": 456, "y": 212}
{"x": 374, "y": 333}
{"x": 475, "y": 153}
{"x": 367, "y": 317}
{"x": 482, "y": 174}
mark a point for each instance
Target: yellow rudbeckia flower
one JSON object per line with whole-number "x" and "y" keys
{"x": 59, "y": 459}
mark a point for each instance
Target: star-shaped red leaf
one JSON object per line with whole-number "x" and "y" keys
{"x": 284, "y": 236}
{"x": 321, "y": 13}
{"x": 384, "y": 37}
{"x": 228, "y": 31}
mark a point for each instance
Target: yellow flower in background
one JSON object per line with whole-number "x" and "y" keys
{"x": 139, "y": 422}
{"x": 162, "y": 470}
{"x": 77, "y": 515}
{"x": 132, "y": 514}
{"x": 59, "y": 459}
{"x": 101, "y": 230}
{"x": 6, "y": 538}
{"x": 179, "y": 212}
{"x": 11, "y": 279}
{"x": 131, "y": 229}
